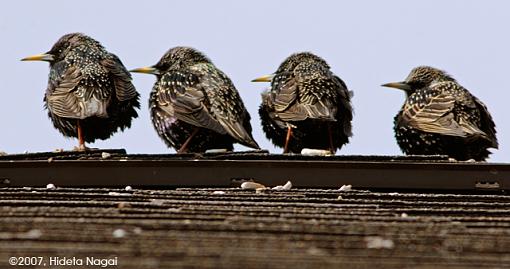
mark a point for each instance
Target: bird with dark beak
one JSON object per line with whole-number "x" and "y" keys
{"x": 307, "y": 106}
{"x": 194, "y": 106}
{"x": 90, "y": 95}
{"x": 440, "y": 117}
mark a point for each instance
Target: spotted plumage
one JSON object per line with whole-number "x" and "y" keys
{"x": 442, "y": 117}
{"x": 194, "y": 106}
{"x": 89, "y": 95}
{"x": 307, "y": 106}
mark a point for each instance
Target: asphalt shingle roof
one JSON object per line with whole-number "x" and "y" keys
{"x": 234, "y": 228}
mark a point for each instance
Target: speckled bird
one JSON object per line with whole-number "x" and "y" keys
{"x": 89, "y": 95}
{"x": 307, "y": 106}
{"x": 441, "y": 117}
{"x": 194, "y": 106}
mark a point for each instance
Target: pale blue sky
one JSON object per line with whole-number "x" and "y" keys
{"x": 366, "y": 43}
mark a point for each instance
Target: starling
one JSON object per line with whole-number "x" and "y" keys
{"x": 194, "y": 106}
{"x": 442, "y": 117}
{"x": 307, "y": 106}
{"x": 89, "y": 95}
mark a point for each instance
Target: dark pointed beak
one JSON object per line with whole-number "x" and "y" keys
{"x": 398, "y": 85}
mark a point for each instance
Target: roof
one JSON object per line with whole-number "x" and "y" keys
{"x": 115, "y": 168}
{"x": 236, "y": 228}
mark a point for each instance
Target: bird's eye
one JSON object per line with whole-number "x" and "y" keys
{"x": 416, "y": 84}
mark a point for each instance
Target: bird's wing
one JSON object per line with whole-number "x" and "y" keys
{"x": 284, "y": 92}
{"x": 486, "y": 122}
{"x": 226, "y": 104}
{"x": 59, "y": 97}
{"x": 180, "y": 95}
{"x": 296, "y": 101}
{"x": 124, "y": 89}
{"x": 436, "y": 114}
{"x": 345, "y": 109}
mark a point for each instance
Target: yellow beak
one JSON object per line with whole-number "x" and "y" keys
{"x": 146, "y": 70}
{"x": 266, "y": 78}
{"x": 40, "y": 57}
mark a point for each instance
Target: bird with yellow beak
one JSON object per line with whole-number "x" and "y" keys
{"x": 307, "y": 106}
{"x": 90, "y": 95}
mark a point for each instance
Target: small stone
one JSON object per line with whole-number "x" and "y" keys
{"x": 285, "y": 187}
{"x": 119, "y": 233}
{"x": 33, "y": 234}
{"x": 315, "y": 152}
{"x": 105, "y": 155}
{"x": 378, "y": 242}
{"x": 51, "y": 186}
{"x": 339, "y": 197}
{"x": 251, "y": 185}
{"x": 219, "y": 192}
{"x": 50, "y": 159}
{"x": 128, "y": 188}
{"x": 114, "y": 193}
{"x": 216, "y": 151}
{"x": 345, "y": 188}
{"x": 404, "y": 215}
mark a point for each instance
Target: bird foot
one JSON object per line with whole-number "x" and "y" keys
{"x": 81, "y": 148}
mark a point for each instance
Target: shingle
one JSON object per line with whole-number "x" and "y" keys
{"x": 300, "y": 228}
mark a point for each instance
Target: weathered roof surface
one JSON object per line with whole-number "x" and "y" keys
{"x": 301, "y": 228}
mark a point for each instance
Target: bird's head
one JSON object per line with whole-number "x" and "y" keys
{"x": 296, "y": 61}
{"x": 60, "y": 49}
{"x": 420, "y": 77}
{"x": 174, "y": 59}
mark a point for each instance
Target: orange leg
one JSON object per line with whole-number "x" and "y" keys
{"x": 81, "y": 140}
{"x": 287, "y": 139}
{"x": 184, "y": 146}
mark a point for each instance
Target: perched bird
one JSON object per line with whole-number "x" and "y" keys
{"x": 442, "y": 117}
{"x": 194, "y": 106}
{"x": 89, "y": 95}
{"x": 307, "y": 105}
